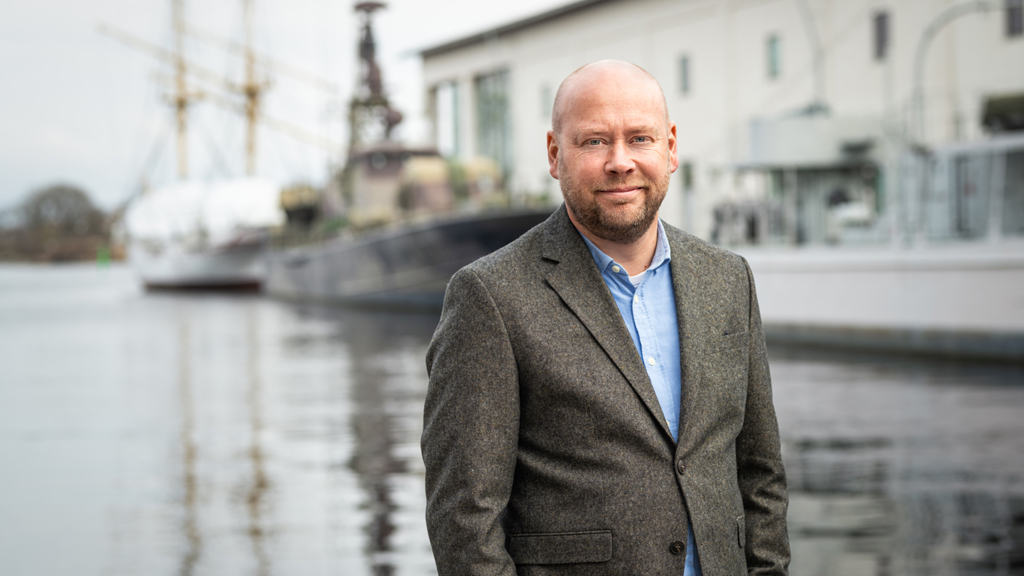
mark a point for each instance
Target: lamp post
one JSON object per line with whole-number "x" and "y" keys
{"x": 918, "y": 146}
{"x": 944, "y": 18}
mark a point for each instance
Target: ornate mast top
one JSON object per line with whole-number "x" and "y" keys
{"x": 371, "y": 116}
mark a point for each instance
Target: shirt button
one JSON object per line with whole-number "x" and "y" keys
{"x": 676, "y": 547}
{"x": 680, "y": 467}
{"x": 650, "y": 360}
{"x": 636, "y": 298}
{"x": 616, "y": 269}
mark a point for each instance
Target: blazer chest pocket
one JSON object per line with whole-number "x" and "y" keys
{"x": 728, "y": 342}
{"x": 726, "y": 365}
{"x": 561, "y": 547}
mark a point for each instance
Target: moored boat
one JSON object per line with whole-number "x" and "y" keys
{"x": 203, "y": 235}
{"x": 406, "y": 265}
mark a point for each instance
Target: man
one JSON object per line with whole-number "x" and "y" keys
{"x": 599, "y": 398}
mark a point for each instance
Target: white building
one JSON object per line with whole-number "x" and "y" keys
{"x": 866, "y": 156}
{"x": 771, "y": 97}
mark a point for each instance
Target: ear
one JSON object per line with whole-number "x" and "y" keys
{"x": 553, "y": 154}
{"x": 673, "y": 155}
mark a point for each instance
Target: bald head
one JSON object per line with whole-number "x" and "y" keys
{"x": 602, "y": 73}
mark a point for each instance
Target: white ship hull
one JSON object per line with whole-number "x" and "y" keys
{"x": 203, "y": 235}
{"x": 177, "y": 267}
{"x": 933, "y": 263}
{"x": 962, "y": 300}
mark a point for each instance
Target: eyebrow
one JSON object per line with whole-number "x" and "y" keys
{"x": 650, "y": 129}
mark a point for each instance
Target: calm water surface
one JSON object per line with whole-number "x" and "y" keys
{"x": 182, "y": 434}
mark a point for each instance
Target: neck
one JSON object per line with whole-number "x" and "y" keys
{"x": 635, "y": 257}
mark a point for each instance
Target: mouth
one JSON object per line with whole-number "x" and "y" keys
{"x": 621, "y": 191}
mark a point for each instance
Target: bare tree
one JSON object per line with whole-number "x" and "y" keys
{"x": 62, "y": 209}
{"x": 55, "y": 223}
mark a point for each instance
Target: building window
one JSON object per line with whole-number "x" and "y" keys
{"x": 684, "y": 74}
{"x": 1014, "y": 17}
{"x": 493, "y": 122}
{"x": 446, "y": 118}
{"x": 686, "y": 175}
{"x": 773, "y": 50}
{"x": 881, "y": 43}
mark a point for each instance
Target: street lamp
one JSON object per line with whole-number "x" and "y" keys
{"x": 945, "y": 17}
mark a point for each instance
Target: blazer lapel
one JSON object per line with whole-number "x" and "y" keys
{"x": 579, "y": 284}
{"x": 685, "y": 285}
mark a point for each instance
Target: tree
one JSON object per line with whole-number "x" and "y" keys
{"x": 62, "y": 210}
{"x": 55, "y": 223}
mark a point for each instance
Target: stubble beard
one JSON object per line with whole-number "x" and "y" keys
{"x": 620, "y": 226}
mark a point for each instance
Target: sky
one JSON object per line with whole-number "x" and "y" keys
{"x": 81, "y": 108}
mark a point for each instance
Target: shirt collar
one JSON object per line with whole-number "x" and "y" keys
{"x": 662, "y": 252}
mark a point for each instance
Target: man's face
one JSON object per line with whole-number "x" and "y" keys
{"x": 614, "y": 153}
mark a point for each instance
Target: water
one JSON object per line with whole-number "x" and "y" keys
{"x": 182, "y": 434}
{"x": 900, "y": 467}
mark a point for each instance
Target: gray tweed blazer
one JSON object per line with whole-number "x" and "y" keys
{"x": 546, "y": 449}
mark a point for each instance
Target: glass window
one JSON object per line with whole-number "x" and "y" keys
{"x": 493, "y": 122}
{"x": 1014, "y": 17}
{"x": 446, "y": 118}
{"x": 881, "y": 43}
{"x": 1013, "y": 194}
{"x": 684, "y": 74}
{"x": 774, "y": 53}
{"x": 686, "y": 173}
{"x": 970, "y": 195}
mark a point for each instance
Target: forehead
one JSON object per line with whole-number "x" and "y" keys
{"x": 595, "y": 113}
{"x": 604, "y": 100}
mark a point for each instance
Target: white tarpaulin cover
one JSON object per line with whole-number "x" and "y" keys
{"x": 218, "y": 210}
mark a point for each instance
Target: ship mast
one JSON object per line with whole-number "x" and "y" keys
{"x": 182, "y": 98}
{"x": 252, "y": 89}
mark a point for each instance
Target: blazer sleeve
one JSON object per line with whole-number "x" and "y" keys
{"x": 470, "y": 432}
{"x": 762, "y": 479}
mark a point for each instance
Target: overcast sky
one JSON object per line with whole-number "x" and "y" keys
{"x": 82, "y": 108}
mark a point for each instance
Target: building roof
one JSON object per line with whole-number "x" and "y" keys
{"x": 480, "y": 37}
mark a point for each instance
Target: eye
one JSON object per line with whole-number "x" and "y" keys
{"x": 593, "y": 142}
{"x": 642, "y": 139}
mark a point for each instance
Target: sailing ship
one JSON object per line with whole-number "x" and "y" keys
{"x": 202, "y": 234}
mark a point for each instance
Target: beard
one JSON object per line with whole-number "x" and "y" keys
{"x": 624, "y": 225}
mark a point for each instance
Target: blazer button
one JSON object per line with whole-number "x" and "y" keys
{"x": 680, "y": 467}
{"x": 676, "y": 547}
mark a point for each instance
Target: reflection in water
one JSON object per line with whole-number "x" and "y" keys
{"x": 202, "y": 436}
{"x": 906, "y": 520}
{"x": 378, "y": 343}
{"x": 188, "y": 451}
{"x": 373, "y": 459}
{"x": 385, "y": 379}
{"x": 258, "y": 488}
{"x": 902, "y": 467}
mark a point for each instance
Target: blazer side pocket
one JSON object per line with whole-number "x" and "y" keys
{"x": 728, "y": 342}
{"x": 561, "y": 547}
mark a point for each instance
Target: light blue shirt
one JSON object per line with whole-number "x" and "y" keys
{"x": 649, "y": 311}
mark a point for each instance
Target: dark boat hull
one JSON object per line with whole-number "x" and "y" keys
{"x": 407, "y": 266}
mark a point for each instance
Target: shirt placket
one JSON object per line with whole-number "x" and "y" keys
{"x": 641, "y": 321}
{"x": 649, "y": 348}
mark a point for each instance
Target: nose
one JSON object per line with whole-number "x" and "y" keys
{"x": 619, "y": 160}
